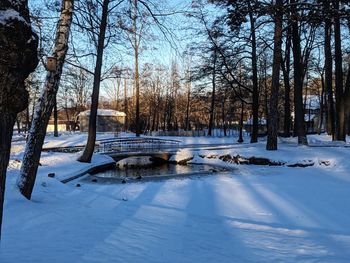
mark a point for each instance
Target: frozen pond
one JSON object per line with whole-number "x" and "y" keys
{"x": 151, "y": 172}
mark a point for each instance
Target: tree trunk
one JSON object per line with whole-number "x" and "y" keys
{"x": 223, "y": 115}
{"x": 45, "y": 105}
{"x": 55, "y": 118}
{"x": 90, "y": 145}
{"x": 240, "y": 138}
{"x": 137, "y": 76}
{"x": 18, "y": 58}
{"x": 298, "y": 78}
{"x": 126, "y": 124}
{"x": 188, "y": 103}
{"x": 26, "y": 129}
{"x": 339, "y": 93}
{"x": 6, "y": 128}
{"x": 255, "y": 106}
{"x": 286, "y": 73}
{"x": 18, "y": 123}
{"x": 273, "y": 113}
{"x": 346, "y": 101}
{"x": 212, "y": 105}
{"x": 328, "y": 74}
{"x": 118, "y": 90}
{"x": 319, "y": 129}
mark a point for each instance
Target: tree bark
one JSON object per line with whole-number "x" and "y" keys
{"x": 273, "y": 113}
{"x": 286, "y": 73}
{"x": 319, "y": 129}
{"x": 298, "y": 78}
{"x": 55, "y": 118}
{"x": 90, "y": 145}
{"x": 255, "y": 106}
{"x": 240, "y": 138}
{"x": 188, "y": 103}
{"x": 45, "y": 105}
{"x": 223, "y": 115}
{"x": 126, "y": 124}
{"x": 18, "y": 58}
{"x": 339, "y": 92}
{"x": 346, "y": 101}
{"x": 328, "y": 73}
{"x": 212, "y": 105}
{"x": 137, "y": 75}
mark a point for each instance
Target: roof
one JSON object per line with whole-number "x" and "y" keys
{"x": 104, "y": 112}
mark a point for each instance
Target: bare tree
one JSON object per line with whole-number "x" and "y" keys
{"x": 273, "y": 113}
{"x": 298, "y": 75}
{"x": 90, "y": 145}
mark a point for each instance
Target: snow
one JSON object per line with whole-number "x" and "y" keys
{"x": 8, "y": 15}
{"x": 309, "y": 117}
{"x": 250, "y": 214}
{"x": 312, "y": 102}
{"x": 261, "y": 121}
{"x": 104, "y": 112}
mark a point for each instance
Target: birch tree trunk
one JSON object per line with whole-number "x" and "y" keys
{"x": 45, "y": 105}
{"x": 18, "y": 58}
{"x": 273, "y": 113}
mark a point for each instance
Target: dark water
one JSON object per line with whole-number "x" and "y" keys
{"x": 154, "y": 172}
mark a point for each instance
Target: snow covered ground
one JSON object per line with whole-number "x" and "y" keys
{"x": 252, "y": 214}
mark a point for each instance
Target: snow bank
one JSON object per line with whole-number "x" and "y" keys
{"x": 251, "y": 214}
{"x": 9, "y": 15}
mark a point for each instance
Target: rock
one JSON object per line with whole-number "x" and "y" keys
{"x": 324, "y": 162}
{"x": 259, "y": 161}
{"x": 184, "y": 162}
{"x": 123, "y": 181}
{"x": 78, "y": 185}
{"x": 226, "y": 158}
{"x": 303, "y": 165}
{"x": 240, "y": 160}
{"x": 263, "y": 161}
{"x": 94, "y": 180}
{"x": 51, "y": 175}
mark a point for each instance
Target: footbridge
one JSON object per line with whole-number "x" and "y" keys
{"x": 121, "y": 148}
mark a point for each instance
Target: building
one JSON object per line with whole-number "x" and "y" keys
{"x": 62, "y": 126}
{"x": 312, "y": 116}
{"x": 248, "y": 126}
{"x": 107, "y": 120}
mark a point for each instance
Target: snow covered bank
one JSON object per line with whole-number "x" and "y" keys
{"x": 254, "y": 214}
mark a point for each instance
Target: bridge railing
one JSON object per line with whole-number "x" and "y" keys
{"x": 135, "y": 144}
